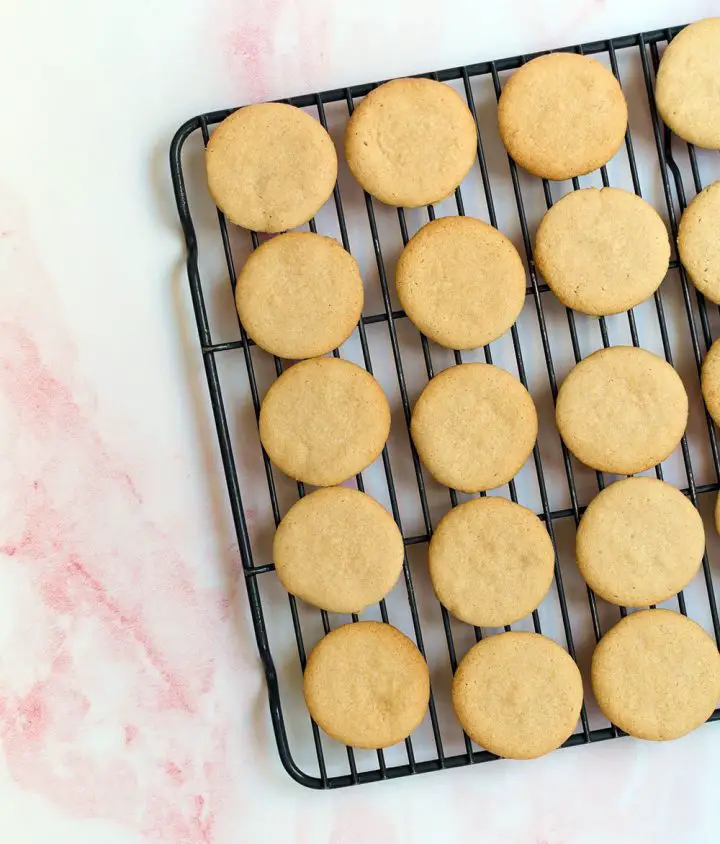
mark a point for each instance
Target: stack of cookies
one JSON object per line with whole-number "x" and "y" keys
{"x": 462, "y": 283}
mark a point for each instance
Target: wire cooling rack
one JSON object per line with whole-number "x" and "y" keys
{"x": 544, "y": 344}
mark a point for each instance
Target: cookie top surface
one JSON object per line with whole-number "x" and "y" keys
{"x": 698, "y": 242}
{"x": 491, "y": 561}
{"x": 562, "y": 115}
{"x": 324, "y": 420}
{"x": 687, "y": 87}
{"x": 622, "y": 410}
{"x": 602, "y": 251}
{"x": 411, "y": 142}
{"x": 338, "y": 549}
{"x": 461, "y": 282}
{"x": 474, "y": 426}
{"x": 710, "y": 381}
{"x": 517, "y": 694}
{"x": 270, "y": 167}
{"x": 656, "y": 675}
{"x": 367, "y": 685}
{"x": 299, "y": 295}
{"x": 639, "y": 542}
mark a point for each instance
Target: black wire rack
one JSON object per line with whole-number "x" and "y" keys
{"x": 696, "y": 315}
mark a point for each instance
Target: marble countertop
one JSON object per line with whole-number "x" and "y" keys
{"x": 132, "y": 704}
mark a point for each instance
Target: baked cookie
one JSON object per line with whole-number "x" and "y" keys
{"x": 270, "y": 167}
{"x": 687, "y": 87}
{"x": 491, "y": 561}
{"x": 710, "y": 381}
{"x": 474, "y": 426}
{"x": 717, "y": 514}
{"x": 367, "y": 685}
{"x": 338, "y": 549}
{"x": 324, "y": 420}
{"x": 411, "y": 142}
{"x": 699, "y": 241}
{"x": 461, "y": 282}
{"x": 639, "y": 542}
{"x": 562, "y": 115}
{"x": 622, "y": 410}
{"x": 517, "y": 694}
{"x": 656, "y": 675}
{"x": 602, "y": 251}
{"x": 299, "y": 295}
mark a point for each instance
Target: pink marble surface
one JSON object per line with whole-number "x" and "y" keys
{"x": 132, "y": 706}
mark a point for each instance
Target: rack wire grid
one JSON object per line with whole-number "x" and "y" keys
{"x": 544, "y": 344}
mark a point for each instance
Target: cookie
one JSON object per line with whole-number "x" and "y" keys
{"x": 698, "y": 242}
{"x": 517, "y": 694}
{"x": 622, "y": 410}
{"x": 710, "y": 381}
{"x": 639, "y": 542}
{"x": 562, "y": 115}
{"x": 367, "y": 685}
{"x": 324, "y": 420}
{"x": 338, "y": 549}
{"x": 717, "y": 514}
{"x": 299, "y": 295}
{"x": 491, "y": 561}
{"x": 411, "y": 142}
{"x": 474, "y": 426}
{"x": 656, "y": 675}
{"x": 687, "y": 91}
{"x": 460, "y": 282}
{"x": 270, "y": 167}
{"x": 602, "y": 251}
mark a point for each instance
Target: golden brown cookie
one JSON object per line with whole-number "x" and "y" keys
{"x": 602, "y": 251}
{"x": 299, "y": 295}
{"x": 710, "y": 381}
{"x": 367, "y": 685}
{"x": 474, "y": 426}
{"x": 517, "y": 694}
{"x": 338, "y": 549}
{"x": 639, "y": 542}
{"x": 656, "y": 675}
{"x": 270, "y": 167}
{"x": 687, "y": 87}
{"x": 622, "y": 410}
{"x": 717, "y": 514}
{"x": 324, "y": 420}
{"x": 461, "y": 282}
{"x": 411, "y": 142}
{"x": 562, "y": 115}
{"x": 699, "y": 244}
{"x": 491, "y": 561}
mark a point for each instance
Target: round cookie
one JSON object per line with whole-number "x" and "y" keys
{"x": 710, "y": 381}
{"x": 460, "y": 282}
{"x": 622, "y": 410}
{"x": 411, "y": 142}
{"x": 324, "y": 420}
{"x": 491, "y": 561}
{"x": 698, "y": 241}
{"x": 270, "y": 167}
{"x": 562, "y": 115}
{"x": 367, "y": 685}
{"x": 687, "y": 87}
{"x": 474, "y": 426}
{"x": 518, "y": 695}
{"x": 602, "y": 251}
{"x": 639, "y": 542}
{"x": 656, "y": 675}
{"x": 338, "y": 549}
{"x": 299, "y": 295}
